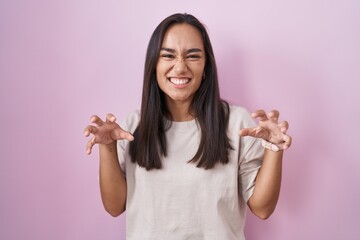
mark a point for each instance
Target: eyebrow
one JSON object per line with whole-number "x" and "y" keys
{"x": 191, "y": 50}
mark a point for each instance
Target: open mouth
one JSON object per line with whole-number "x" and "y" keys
{"x": 179, "y": 81}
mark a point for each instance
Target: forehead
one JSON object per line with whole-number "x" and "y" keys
{"x": 182, "y": 36}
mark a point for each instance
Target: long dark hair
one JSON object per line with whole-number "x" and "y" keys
{"x": 211, "y": 112}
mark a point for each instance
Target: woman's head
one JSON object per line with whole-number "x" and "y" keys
{"x": 180, "y": 67}
{"x": 156, "y": 64}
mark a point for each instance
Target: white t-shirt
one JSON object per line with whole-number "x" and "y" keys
{"x": 181, "y": 201}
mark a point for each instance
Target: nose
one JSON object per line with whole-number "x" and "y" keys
{"x": 180, "y": 66}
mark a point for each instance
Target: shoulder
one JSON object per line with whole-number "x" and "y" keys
{"x": 131, "y": 121}
{"x": 238, "y": 110}
{"x": 240, "y": 116}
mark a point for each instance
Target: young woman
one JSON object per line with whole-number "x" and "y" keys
{"x": 188, "y": 163}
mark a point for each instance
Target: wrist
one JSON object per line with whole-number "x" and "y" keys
{"x": 111, "y": 147}
{"x": 272, "y": 146}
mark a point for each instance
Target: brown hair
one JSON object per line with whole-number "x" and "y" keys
{"x": 212, "y": 113}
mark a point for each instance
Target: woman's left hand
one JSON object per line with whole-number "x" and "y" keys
{"x": 269, "y": 129}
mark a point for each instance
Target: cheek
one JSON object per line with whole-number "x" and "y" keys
{"x": 161, "y": 71}
{"x": 160, "y": 78}
{"x": 198, "y": 68}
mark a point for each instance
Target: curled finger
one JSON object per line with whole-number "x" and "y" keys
{"x": 90, "y": 129}
{"x": 273, "y": 115}
{"x": 260, "y": 114}
{"x": 90, "y": 145}
{"x": 284, "y": 126}
{"x": 95, "y": 119}
{"x": 110, "y": 117}
{"x": 287, "y": 140}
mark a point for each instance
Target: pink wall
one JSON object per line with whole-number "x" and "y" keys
{"x": 62, "y": 61}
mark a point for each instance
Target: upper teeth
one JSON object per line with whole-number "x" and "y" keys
{"x": 179, "y": 81}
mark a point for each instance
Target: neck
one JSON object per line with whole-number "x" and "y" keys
{"x": 180, "y": 111}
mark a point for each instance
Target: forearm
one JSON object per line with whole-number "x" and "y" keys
{"x": 267, "y": 186}
{"x": 112, "y": 182}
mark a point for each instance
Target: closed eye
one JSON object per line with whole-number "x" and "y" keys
{"x": 167, "y": 56}
{"x": 193, "y": 57}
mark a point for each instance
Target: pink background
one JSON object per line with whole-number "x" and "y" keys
{"x": 62, "y": 61}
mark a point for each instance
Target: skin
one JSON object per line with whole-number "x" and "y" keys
{"x": 182, "y": 60}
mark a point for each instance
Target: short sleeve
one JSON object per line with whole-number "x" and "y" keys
{"x": 250, "y": 163}
{"x": 250, "y": 157}
{"x": 130, "y": 124}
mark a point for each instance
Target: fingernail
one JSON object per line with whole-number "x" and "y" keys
{"x": 112, "y": 119}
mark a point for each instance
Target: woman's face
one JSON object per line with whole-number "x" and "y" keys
{"x": 180, "y": 68}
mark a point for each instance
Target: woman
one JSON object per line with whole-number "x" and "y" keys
{"x": 189, "y": 168}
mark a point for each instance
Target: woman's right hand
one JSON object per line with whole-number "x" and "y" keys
{"x": 105, "y": 132}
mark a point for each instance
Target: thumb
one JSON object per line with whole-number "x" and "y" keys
{"x": 120, "y": 134}
{"x": 245, "y": 132}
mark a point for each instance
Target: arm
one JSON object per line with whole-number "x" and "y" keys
{"x": 268, "y": 181}
{"x": 112, "y": 182}
{"x": 267, "y": 186}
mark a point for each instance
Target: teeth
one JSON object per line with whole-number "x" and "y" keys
{"x": 179, "y": 81}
